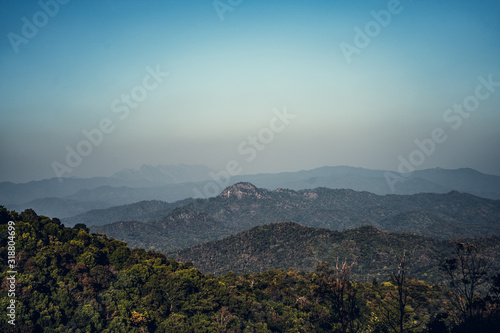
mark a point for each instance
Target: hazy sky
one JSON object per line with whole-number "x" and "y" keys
{"x": 359, "y": 80}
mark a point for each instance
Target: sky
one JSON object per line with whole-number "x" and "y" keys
{"x": 88, "y": 88}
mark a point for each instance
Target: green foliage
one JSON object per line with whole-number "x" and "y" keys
{"x": 71, "y": 281}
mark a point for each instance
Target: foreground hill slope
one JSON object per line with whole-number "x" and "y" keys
{"x": 244, "y": 206}
{"x": 68, "y": 280}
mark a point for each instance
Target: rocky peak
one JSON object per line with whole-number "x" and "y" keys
{"x": 244, "y": 189}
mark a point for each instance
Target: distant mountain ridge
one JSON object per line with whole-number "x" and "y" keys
{"x": 145, "y": 177}
{"x": 244, "y": 206}
{"x": 173, "y": 183}
{"x": 435, "y": 180}
{"x": 166, "y": 174}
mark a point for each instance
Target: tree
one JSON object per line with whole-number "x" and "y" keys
{"x": 469, "y": 273}
{"x": 222, "y": 318}
{"x": 336, "y": 288}
{"x": 81, "y": 226}
{"x": 396, "y": 308}
{"x": 493, "y": 300}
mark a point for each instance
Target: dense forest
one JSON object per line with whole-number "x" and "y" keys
{"x": 69, "y": 280}
{"x": 289, "y": 244}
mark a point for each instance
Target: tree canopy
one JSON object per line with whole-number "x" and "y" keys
{"x": 69, "y": 280}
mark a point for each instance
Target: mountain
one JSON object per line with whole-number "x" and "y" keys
{"x": 16, "y": 194}
{"x": 75, "y": 196}
{"x": 182, "y": 228}
{"x": 173, "y": 183}
{"x": 244, "y": 206}
{"x": 62, "y": 207}
{"x": 436, "y": 180}
{"x": 123, "y": 181}
{"x": 143, "y": 211}
{"x": 284, "y": 245}
{"x": 105, "y": 197}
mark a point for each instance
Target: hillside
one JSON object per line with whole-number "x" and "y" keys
{"x": 143, "y": 211}
{"x": 244, "y": 206}
{"x": 182, "y": 228}
{"x": 68, "y": 280}
{"x": 285, "y": 245}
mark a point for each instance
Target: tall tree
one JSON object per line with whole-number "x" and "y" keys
{"x": 469, "y": 273}
{"x": 395, "y": 306}
{"x": 337, "y": 289}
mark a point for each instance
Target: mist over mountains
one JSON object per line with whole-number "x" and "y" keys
{"x": 74, "y": 196}
{"x": 165, "y": 174}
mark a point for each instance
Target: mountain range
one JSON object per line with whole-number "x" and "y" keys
{"x": 244, "y": 206}
{"x": 67, "y": 197}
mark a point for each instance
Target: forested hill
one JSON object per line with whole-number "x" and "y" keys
{"x": 244, "y": 206}
{"x": 285, "y": 245}
{"x": 144, "y": 211}
{"x": 68, "y": 280}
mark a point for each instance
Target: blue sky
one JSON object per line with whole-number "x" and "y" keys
{"x": 225, "y": 78}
